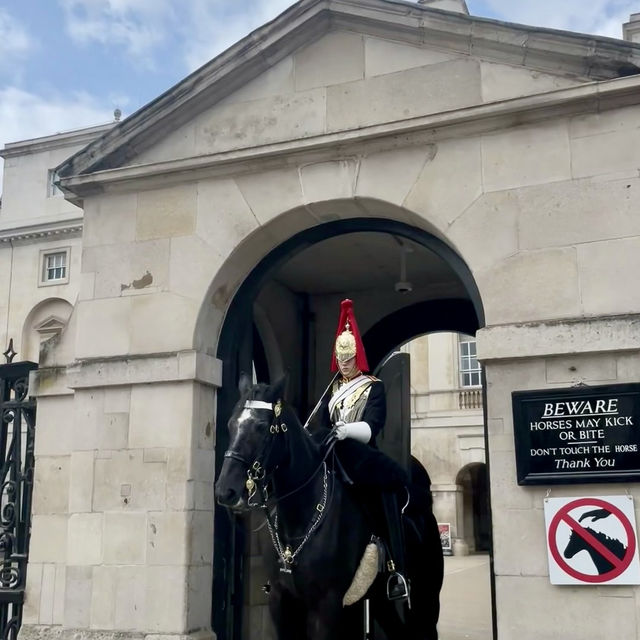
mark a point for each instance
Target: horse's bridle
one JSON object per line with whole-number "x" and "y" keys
{"x": 257, "y": 481}
{"x": 256, "y": 470}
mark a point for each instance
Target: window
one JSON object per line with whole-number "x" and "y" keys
{"x": 54, "y": 266}
{"x": 52, "y": 189}
{"x": 469, "y": 365}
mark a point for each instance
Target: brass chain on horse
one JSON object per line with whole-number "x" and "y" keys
{"x": 257, "y": 482}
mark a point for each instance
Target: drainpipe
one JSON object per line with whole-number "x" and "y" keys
{"x": 10, "y": 287}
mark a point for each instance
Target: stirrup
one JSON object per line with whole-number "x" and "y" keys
{"x": 397, "y": 588}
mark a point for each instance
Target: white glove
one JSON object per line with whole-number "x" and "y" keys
{"x": 359, "y": 431}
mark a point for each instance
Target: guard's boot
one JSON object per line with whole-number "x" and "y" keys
{"x": 397, "y": 586}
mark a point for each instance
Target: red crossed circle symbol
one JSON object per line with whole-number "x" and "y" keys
{"x": 619, "y": 565}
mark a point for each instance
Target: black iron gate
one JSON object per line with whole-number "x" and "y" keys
{"x": 17, "y": 432}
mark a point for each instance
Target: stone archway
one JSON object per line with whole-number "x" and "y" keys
{"x": 250, "y": 310}
{"x": 473, "y": 508}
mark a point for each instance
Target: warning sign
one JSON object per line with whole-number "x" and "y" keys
{"x": 592, "y": 540}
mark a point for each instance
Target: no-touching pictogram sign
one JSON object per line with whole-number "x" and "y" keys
{"x": 592, "y": 540}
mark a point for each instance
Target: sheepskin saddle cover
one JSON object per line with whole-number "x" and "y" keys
{"x": 365, "y": 574}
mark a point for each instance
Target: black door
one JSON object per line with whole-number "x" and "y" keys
{"x": 395, "y": 439}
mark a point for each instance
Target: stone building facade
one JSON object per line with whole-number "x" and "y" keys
{"x": 224, "y": 222}
{"x": 446, "y": 403}
{"x": 40, "y": 241}
{"x": 447, "y": 433}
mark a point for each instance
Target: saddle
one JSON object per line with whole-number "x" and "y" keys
{"x": 377, "y": 480}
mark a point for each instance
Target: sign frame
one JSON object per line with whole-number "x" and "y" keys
{"x": 522, "y": 401}
{"x": 625, "y": 569}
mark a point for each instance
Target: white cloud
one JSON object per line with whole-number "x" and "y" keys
{"x": 25, "y": 115}
{"x": 207, "y": 27}
{"x": 211, "y": 26}
{"x": 599, "y": 17}
{"x": 15, "y": 42}
{"x": 140, "y": 26}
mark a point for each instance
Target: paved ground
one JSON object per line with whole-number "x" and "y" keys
{"x": 465, "y": 599}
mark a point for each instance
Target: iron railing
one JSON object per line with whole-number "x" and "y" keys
{"x": 17, "y": 434}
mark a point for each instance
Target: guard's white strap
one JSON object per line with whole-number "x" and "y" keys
{"x": 347, "y": 390}
{"x": 258, "y": 404}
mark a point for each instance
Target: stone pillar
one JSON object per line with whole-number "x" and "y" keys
{"x": 531, "y": 357}
{"x": 122, "y": 541}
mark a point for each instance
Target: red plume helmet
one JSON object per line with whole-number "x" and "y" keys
{"x": 348, "y": 342}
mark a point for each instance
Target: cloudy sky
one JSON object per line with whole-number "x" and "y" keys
{"x": 68, "y": 63}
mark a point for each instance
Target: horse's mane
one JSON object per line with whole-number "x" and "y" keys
{"x": 613, "y": 544}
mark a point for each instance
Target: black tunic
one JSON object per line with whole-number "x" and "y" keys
{"x": 365, "y": 464}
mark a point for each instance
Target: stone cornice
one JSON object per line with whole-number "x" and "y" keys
{"x": 57, "y": 141}
{"x": 549, "y": 50}
{"x": 71, "y": 227}
{"x": 150, "y": 368}
{"x": 181, "y": 366}
{"x": 589, "y": 98}
{"x": 559, "y": 337}
{"x": 56, "y": 632}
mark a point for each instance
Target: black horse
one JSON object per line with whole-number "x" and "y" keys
{"x": 319, "y": 532}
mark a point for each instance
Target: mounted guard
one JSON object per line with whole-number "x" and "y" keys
{"x": 354, "y": 413}
{"x": 320, "y": 521}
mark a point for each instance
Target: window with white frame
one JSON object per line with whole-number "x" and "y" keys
{"x": 52, "y": 189}
{"x": 469, "y": 365}
{"x": 54, "y": 266}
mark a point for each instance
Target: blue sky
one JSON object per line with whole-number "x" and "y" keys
{"x": 68, "y": 63}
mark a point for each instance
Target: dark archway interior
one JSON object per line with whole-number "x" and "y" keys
{"x": 474, "y": 481}
{"x": 428, "y": 316}
{"x": 404, "y": 283}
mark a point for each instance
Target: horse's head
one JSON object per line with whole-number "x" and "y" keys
{"x": 575, "y": 544}
{"x": 255, "y": 427}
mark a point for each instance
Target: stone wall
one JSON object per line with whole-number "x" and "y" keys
{"x": 344, "y": 81}
{"x": 123, "y": 501}
{"x": 34, "y": 218}
{"x": 520, "y": 551}
{"x": 20, "y": 275}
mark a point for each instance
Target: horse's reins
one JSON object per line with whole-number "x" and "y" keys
{"x": 255, "y": 470}
{"x": 256, "y": 476}
{"x": 305, "y": 426}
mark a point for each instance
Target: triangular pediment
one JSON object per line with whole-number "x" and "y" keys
{"x": 338, "y": 56}
{"x": 50, "y": 325}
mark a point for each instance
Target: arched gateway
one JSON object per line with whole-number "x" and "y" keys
{"x": 500, "y": 162}
{"x": 282, "y": 317}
